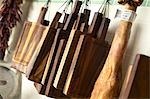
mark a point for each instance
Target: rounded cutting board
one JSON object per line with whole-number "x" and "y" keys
{"x": 8, "y": 83}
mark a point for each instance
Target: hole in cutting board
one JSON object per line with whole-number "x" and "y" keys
{"x": 2, "y": 82}
{"x": 1, "y": 97}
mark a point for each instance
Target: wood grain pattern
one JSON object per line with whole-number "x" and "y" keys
{"x": 78, "y": 52}
{"x": 62, "y": 71}
{"x": 55, "y": 60}
{"x": 27, "y": 44}
{"x": 48, "y": 89}
{"x": 38, "y": 66}
{"x": 73, "y": 16}
{"x": 108, "y": 81}
{"x": 55, "y": 19}
{"x": 50, "y": 57}
{"x": 141, "y": 83}
{"x": 30, "y": 37}
{"x": 45, "y": 80}
{"x": 87, "y": 58}
{"x": 47, "y": 70}
{"x": 64, "y": 35}
{"x": 96, "y": 22}
{"x": 68, "y": 53}
{"x": 79, "y": 21}
{"x": 52, "y": 74}
{"x": 66, "y": 61}
{"x": 53, "y": 93}
{"x": 136, "y": 83}
{"x": 53, "y": 47}
{"x": 84, "y": 26}
{"x": 42, "y": 15}
{"x": 30, "y": 48}
{"x": 20, "y": 44}
{"x": 103, "y": 29}
{"x": 82, "y": 73}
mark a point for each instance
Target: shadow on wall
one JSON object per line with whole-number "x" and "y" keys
{"x": 17, "y": 31}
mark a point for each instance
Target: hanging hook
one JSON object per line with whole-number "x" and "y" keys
{"x": 103, "y": 3}
{"x": 47, "y": 3}
{"x": 86, "y": 2}
{"x": 66, "y": 4}
{"x": 63, "y": 4}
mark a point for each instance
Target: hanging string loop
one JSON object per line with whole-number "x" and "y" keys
{"x": 104, "y": 8}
